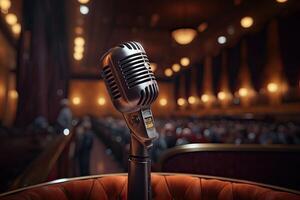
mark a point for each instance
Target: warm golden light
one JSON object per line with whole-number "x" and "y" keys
{"x": 184, "y": 36}
{"x": 11, "y": 19}
{"x": 181, "y": 101}
{"x": 5, "y": 5}
{"x": 247, "y": 22}
{"x": 16, "y": 29}
{"x": 153, "y": 66}
{"x": 101, "y": 101}
{"x": 272, "y": 87}
{"x": 168, "y": 72}
{"x": 76, "y": 100}
{"x": 176, "y": 67}
{"x": 222, "y": 95}
{"x": 13, "y": 94}
{"x": 185, "y": 61}
{"x": 192, "y": 100}
{"x": 79, "y": 49}
{"x": 79, "y": 41}
{"x": 243, "y": 92}
{"x": 78, "y": 56}
{"x": 205, "y": 98}
{"x": 163, "y": 102}
{"x": 83, "y": 1}
{"x": 281, "y": 1}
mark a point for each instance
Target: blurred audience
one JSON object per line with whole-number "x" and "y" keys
{"x": 181, "y": 131}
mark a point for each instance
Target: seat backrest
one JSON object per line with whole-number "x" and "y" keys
{"x": 274, "y": 164}
{"x": 164, "y": 186}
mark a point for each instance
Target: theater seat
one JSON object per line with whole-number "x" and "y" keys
{"x": 164, "y": 186}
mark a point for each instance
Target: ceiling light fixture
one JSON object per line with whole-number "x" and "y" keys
{"x": 5, "y": 5}
{"x": 83, "y": 1}
{"x": 181, "y": 101}
{"x": 243, "y": 92}
{"x": 176, "y": 67}
{"x": 205, "y": 98}
{"x": 101, "y": 101}
{"x": 192, "y": 100}
{"x": 77, "y": 56}
{"x": 78, "y": 49}
{"x": 184, "y": 36}
{"x": 163, "y": 102}
{"x": 76, "y": 100}
{"x": 11, "y": 19}
{"x": 168, "y": 72}
{"x": 272, "y": 87}
{"x": 84, "y": 10}
{"x": 185, "y": 61}
{"x": 79, "y": 41}
{"x": 281, "y": 1}
{"x": 16, "y": 28}
{"x": 222, "y": 39}
{"x": 247, "y": 22}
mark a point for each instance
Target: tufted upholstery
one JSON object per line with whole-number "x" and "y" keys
{"x": 164, "y": 187}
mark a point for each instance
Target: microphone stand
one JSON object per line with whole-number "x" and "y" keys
{"x": 142, "y": 133}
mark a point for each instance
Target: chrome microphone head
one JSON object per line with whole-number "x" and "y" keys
{"x": 128, "y": 77}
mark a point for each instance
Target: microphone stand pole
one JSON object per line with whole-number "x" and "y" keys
{"x": 142, "y": 133}
{"x": 139, "y": 171}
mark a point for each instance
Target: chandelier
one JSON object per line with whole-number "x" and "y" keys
{"x": 184, "y": 36}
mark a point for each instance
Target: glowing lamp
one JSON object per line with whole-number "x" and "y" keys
{"x": 247, "y": 22}
{"x": 168, "y": 72}
{"x": 176, "y": 67}
{"x": 281, "y": 1}
{"x": 13, "y": 94}
{"x": 83, "y": 1}
{"x": 222, "y": 95}
{"x": 16, "y": 28}
{"x": 76, "y": 100}
{"x": 84, "y": 10}
{"x": 79, "y": 49}
{"x": 185, "y": 61}
{"x": 222, "y": 39}
{"x": 79, "y": 41}
{"x": 11, "y": 19}
{"x": 101, "y": 101}
{"x": 77, "y": 56}
{"x": 192, "y": 100}
{"x": 184, "y": 36}
{"x": 163, "y": 102}
{"x": 272, "y": 87}
{"x": 243, "y": 92}
{"x": 5, "y": 5}
{"x": 181, "y": 101}
{"x": 205, "y": 98}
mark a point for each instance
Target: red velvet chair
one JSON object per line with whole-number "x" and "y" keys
{"x": 164, "y": 186}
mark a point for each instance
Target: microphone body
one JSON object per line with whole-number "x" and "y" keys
{"x": 132, "y": 87}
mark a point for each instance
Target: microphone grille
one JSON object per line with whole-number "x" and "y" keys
{"x": 136, "y": 69}
{"x": 128, "y": 76}
{"x": 132, "y": 45}
{"x": 148, "y": 95}
{"x": 110, "y": 80}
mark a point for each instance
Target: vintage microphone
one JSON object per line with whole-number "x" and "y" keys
{"x": 132, "y": 88}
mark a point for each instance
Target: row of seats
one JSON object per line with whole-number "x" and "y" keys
{"x": 270, "y": 164}
{"x": 164, "y": 187}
